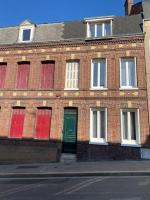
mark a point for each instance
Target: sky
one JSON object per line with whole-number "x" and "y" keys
{"x": 13, "y": 12}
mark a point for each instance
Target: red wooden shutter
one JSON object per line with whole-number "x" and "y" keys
{"x": 23, "y": 75}
{"x": 43, "y": 124}
{"x": 17, "y": 122}
{"x": 2, "y": 74}
{"x": 47, "y": 75}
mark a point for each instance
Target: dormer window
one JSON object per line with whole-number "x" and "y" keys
{"x": 26, "y": 35}
{"x": 99, "y": 27}
{"x": 26, "y": 32}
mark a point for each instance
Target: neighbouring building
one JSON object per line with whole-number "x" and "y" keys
{"x": 74, "y": 87}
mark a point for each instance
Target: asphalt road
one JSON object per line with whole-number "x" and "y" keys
{"x": 86, "y": 188}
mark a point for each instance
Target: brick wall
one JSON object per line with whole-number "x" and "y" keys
{"x": 113, "y": 98}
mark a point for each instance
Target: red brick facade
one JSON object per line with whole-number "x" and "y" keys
{"x": 57, "y": 99}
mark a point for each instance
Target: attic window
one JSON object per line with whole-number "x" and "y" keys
{"x": 98, "y": 28}
{"x": 26, "y": 32}
{"x": 26, "y": 35}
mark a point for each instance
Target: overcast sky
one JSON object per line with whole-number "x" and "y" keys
{"x": 13, "y": 12}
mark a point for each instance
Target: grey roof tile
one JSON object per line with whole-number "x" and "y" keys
{"x": 75, "y": 30}
{"x": 146, "y": 8}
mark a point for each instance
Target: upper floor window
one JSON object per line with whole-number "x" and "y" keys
{"x": 26, "y": 31}
{"x": 128, "y": 77}
{"x": 23, "y": 75}
{"x": 47, "y": 74}
{"x": 72, "y": 75}
{"x": 2, "y": 74}
{"x": 99, "y": 73}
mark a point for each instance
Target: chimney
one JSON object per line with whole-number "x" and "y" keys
{"x": 128, "y": 5}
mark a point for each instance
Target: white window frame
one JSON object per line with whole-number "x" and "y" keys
{"x": 101, "y": 141}
{"x": 127, "y": 86}
{"x": 66, "y": 80}
{"x": 95, "y": 32}
{"x": 92, "y": 71}
{"x": 130, "y": 142}
{"x": 25, "y": 27}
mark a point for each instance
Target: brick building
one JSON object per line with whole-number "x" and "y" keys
{"x": 74, "y": 87}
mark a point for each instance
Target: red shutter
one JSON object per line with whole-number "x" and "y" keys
{"x": 47, "y": 75}
{"x": 23, "y": 75}
{"x": 2, "y": 75}
{"x": 17, "y": 122}
{"x": 43, "y": 124}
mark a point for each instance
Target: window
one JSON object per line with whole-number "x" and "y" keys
{"x": 2, "y": 74}
{"x": 128, "y": 77}
{"x": 26, "y": 32}
{"x": 98, "y": 125}
{"x": 17, "y": 123}
{"x": 99, "y": 29}
{"x": 98, "y": 73}
{"x": 43, "y": 123}
{"x": 26, "y": 35}
{"x": 130, "y": 126}
{"x": 47, "y": 74}
{"x": 23, "y": 75}
{"x": 72, "y": 75}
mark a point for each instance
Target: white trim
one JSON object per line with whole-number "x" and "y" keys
{"x": 137, "y": 124}
{"x": 131, "y": 145}
{"x": 99, "y": 19}
{"x": 100, "y": 141}
{"x": 25, "y": 27}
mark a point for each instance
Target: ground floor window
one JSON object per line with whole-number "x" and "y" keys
{"x": 130, "y": 126}
{"x": 17, "y": 123}
{"x": 98, "y": 125}
{"x": 43, "y": 123}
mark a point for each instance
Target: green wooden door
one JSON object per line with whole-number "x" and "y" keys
{"x": 70, "y": 131}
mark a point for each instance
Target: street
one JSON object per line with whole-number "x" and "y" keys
{"x": 89, "y": 188}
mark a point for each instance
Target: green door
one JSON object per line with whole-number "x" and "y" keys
{"x": 70, "y": 131}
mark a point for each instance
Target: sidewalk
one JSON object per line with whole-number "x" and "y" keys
{"x": 102, "y": 168}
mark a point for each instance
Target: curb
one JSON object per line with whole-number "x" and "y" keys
{"x": 74, "y": 174}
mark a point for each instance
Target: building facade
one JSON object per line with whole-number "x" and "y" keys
{"x": 74, "y": 87}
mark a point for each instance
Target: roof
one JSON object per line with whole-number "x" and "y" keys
{"x": 73, "y": 30}
{"x": 146, "y": 8}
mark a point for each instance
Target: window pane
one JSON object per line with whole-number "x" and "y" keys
{"x": 125, "y": 125}
{"x": 26, "y": 34}
{"x": 99, "y": 30}
{"x": 103, "y": 73}
{"x": 95, "y": 74}
{"x": 123, "y": 73}
{"x": 107, "y": 29}
{"x": 102, "y": 124}
{"x": 131, "y": 71}
{"x": 92, "y": 30}
{"x": 133, "y": 125}
{"x": 94, "y": 124}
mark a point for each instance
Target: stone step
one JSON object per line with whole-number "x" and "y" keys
{"x": 68, "y": 157}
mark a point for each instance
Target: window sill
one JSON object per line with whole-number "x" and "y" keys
{"x": 71, "y": 89}
{"x": 98, "y": 88}
{"x": 131, "y": 145}
{"x": 128, "y": 88}
{"x": 99, "y": 143}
